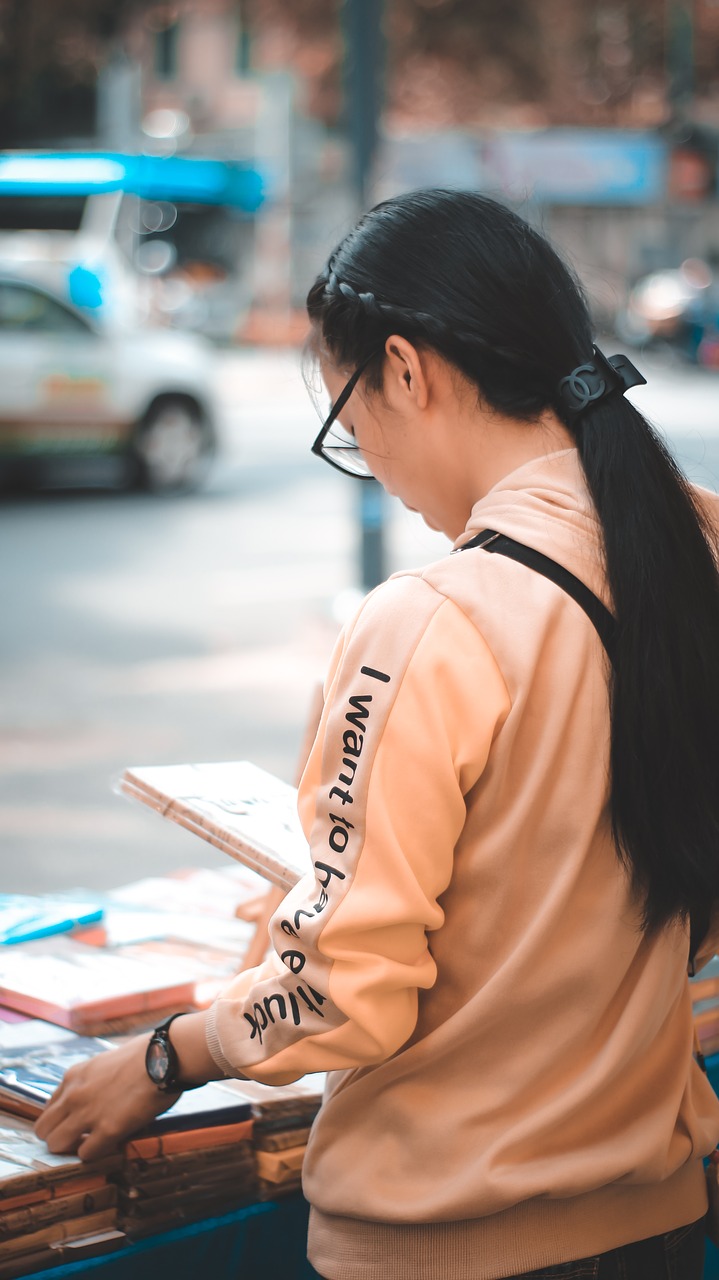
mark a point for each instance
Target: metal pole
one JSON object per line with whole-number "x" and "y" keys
{"x": 364, "y": 66}
{"x": 680, "y": 58}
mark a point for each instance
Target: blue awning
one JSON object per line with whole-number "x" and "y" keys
{"x": 181, "y": 179}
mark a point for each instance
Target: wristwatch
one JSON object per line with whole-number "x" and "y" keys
{"x": 161, "y": 1060}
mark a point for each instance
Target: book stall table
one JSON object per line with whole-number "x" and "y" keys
{"x": 217, "y": 1190}
{"x": 259, "y": 1242}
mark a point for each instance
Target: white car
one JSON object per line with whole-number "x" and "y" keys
{"x": 72, "y": 385}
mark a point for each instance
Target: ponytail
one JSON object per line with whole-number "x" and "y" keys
{"x": 462, "y": 274}
{"x": 662, "y": 572}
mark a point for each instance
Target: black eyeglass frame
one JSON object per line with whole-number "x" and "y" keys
{"x": 333, "y": 415}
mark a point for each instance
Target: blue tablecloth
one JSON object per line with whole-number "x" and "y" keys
{"x": 256, "y": 1243}
{"x": 711, "y": 1264}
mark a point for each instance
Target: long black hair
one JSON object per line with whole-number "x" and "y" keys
{"x": 464, "y": 275}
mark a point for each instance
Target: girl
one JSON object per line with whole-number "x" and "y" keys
{"x": 511, "y": 802}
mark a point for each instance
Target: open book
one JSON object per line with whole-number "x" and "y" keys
{"x": 239, "y": 808}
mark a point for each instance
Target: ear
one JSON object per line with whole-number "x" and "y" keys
{"x": 406, "y": 385}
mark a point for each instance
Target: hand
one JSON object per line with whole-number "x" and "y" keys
{"x": 101, "y": 1102}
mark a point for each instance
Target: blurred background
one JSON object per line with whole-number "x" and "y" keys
{"x": 175, "y": 565}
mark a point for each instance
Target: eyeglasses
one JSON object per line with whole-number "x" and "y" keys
{"x": 336, "y": 445}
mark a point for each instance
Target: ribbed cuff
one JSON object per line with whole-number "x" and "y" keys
{"x": 213, "y": 1043}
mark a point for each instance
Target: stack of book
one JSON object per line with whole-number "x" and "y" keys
{"x": 222, "y": 893}
{"x": 705, "y": 1001}
{"x": 153, "y": 948}
{"x": 164, "y": 944}
{"x": 71, "y": 980}
{"x": 218, "y": 1148}
{"x": 283, "y": 1116}
{"x": 53, "y": 1209}
{"x": 194, "y": 1162}
{"x": 91, "y": 991}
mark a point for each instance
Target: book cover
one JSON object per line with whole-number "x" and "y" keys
{"x": 222, "y": 892}
{"x": 56, "y": 1252}
{"x": 16, "y": 1222}
{"x": 149, "y": 931}
{"x": 281, "y": 1140}
{"x": 78, "y": 987}
{"x": 40, "y": 1195}
{"x": 73, "y": 1228}
{"x": 26, "y": 1165}
{"x": 239, "y": 808}
{"x": 140, "y": 1171}
{"x": 238, "y": 1169}
{"x": 202, "y": 1110}
{"x": 181, "y": 1213}
{"x": 281, "y": 1166}
{"x": 277, "y": 1108}
{"x": 147, "y": 1204}
{"x": 220, "y": 1135}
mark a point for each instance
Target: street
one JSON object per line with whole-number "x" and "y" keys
{"x": 141, "y": 630}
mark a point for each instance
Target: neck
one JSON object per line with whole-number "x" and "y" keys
{"x": 504, "y": 444}
{"x": 491, "y": 447}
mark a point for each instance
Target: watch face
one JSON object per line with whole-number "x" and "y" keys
{"x": 158, "y": 1062}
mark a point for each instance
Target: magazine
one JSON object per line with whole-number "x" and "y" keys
{"x": 239, "y": 808}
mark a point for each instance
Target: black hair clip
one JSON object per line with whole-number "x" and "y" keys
{"x": 598, "y": 378}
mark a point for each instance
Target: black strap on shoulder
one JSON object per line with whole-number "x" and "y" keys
{"x": 595, "y": 610}
{"x": 605, "y": 623}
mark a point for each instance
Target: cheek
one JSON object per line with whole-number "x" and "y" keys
{"x": 370, "y": 435}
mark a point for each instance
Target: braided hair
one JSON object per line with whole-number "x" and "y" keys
{"x": 461, "y": 274}
{"x": 371, "y": 288}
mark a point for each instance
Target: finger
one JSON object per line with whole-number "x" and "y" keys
{"x": 55, "y": 1108}
{"x": 52, "y": 1114}
{"x": 96, "y": 1145}
{"x": 66, "y": 1136}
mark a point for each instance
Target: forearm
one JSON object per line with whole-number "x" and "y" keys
{"x": 79, "y": 1116}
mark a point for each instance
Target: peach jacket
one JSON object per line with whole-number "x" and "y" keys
{"x": 512, "y": 1082}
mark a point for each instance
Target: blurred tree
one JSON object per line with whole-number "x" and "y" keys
{"x": 450, "y": 62}
{"x": 561, "y": 62}
{"x": 50, "y": 54}
{"x": 463, "y": 62}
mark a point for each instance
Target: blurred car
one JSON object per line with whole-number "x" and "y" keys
{"x": 75, "y": 385}
{"x": 677, "y": 308}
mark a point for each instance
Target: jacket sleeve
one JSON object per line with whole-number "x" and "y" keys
{"x": 412, "y": 703}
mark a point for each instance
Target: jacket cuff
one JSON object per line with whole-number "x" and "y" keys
{"x": 212, "y": 1037}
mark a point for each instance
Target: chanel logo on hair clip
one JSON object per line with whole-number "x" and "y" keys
{"x": 595, "y": 379}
